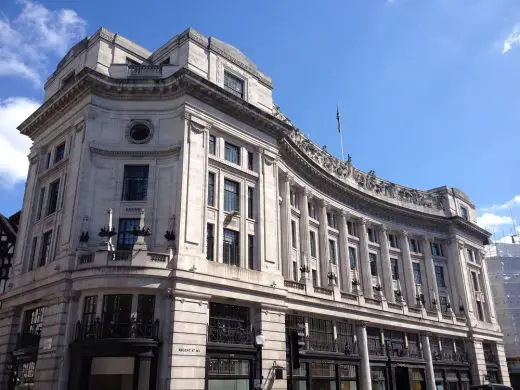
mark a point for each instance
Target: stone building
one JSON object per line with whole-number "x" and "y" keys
{"x": 179, "y": 232}
{"x": 503, "y": 261}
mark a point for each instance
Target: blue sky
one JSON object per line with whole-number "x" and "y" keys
{"x": 428, "y": 89}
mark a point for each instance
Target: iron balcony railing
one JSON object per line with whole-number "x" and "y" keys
{"x": 131, "y": 329}
{"x": 119, "y": 255}
{"x": 450, "y": 356}
{"x": 375, "y": 348}
{"x": 293, "y": 284}
{"x": 221, "y": 334}
{"x": 490, "y": 357}
{"x": 28, "y": 340}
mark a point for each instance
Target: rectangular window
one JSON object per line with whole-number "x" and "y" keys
{"x": 125, "y": 235}
{"x": 331, "y": 220}
{"x": 314, "y": 278}
{"x": 474, "y": 277}
{"x": 212, "y": 144}
{"x": 250, "y": 202}
{"x": 33, "y": 321}
{"x": 443, "y": 301}
{"x": 372, "y": 236}
{"x": 295, "y": 271}
{"x": 45, "y": 248}
{"x": 480, "y": 311}
{"x": 417, "y": 277}
{"x": 117, "y": 310}
{"x": 352, "y": 257}
{"x": 293, "y": 234}
{"x": 231, "y": 252}
{"x": 394, "y": 242}
{"x": 312, "y": 236}
{"x": 89, "y": 311}
{"x": 135, "y": 182}
{"x": 351, "y": 228}
{"x": 294, "y": 199}
{"x": 54, "y": 190}
{"x": 232, "y": 153}
{"x": 234, "y": 84}
{"x": 59, "y": 153}
{"x": 437, "y": 249}
{"x": 145, "y": 312}
{"x": 464, "y": 213}
{"x": 34, "y": 247}
{"x": 231, "y": 195}
{"x": 210, "y": 241}
{"x": 373, "y": 264}
{"x": 415, "y": 245}
{"x": 250, "y": 160}
{"x": 40, "y": 204}
{"x": 471, "y": 255}
{"x": 250, "y": 251}
{"x": 395, "y": 268}
{"x": 439, "y": 275}
{"x": 332, "y": 251}
{"x": 211, "y": 189}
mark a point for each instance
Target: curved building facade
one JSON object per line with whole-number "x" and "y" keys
{"x": 179, "y": 232}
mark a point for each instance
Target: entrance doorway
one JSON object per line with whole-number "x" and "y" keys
{"x": 112, "y": 373}
{"x": 402, "y": 379}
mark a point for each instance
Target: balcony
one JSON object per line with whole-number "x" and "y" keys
{"x": 28, "y": 340}
{"x": 375, "y": 348}
{"x": 130, "y": 329}
{"x": 220, "y": 334}
{"x": 122, "y": 257}
{"x": 450, "y": 356}
{"x": 398, "y": 349}
{"x": 295, "y": 285}
{"x": 144, "y": 71}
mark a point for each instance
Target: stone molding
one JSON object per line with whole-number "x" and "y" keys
{"x": 171, "y": 151}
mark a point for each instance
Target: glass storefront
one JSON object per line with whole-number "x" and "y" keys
{"x": 229, "y": 374}
{"x": 347, "y": 377}
{"x": 323, "y": 376}
{"x": 378, "y": 378}
{"x": 418, "y": 379}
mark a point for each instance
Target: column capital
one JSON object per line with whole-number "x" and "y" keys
{"x": 383, "y": 228}
{"x": 363, "y": 221}
{"x": 405, "y": 233}
{"x": 361, "y": 324}
{"x": 461, "y": 244}
{"x": 344, "y": 213}
{"x": 323, "y": 203}
{"x": 307, "y": 192}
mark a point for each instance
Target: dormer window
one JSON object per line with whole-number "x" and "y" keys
{"x": 234, "y": 84}
{"x": 464, "y": 213}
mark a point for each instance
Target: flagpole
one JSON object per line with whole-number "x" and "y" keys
{"x": 340, "y": 133}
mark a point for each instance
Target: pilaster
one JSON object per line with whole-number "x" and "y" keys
{"x": 386, "y": 265}
{"x": 477, "y": 361}
{"x": 304, "y": 233}
{"x": 433, "y": 290}
{"x": 408, "y": 270}
{"x": 345, "y": 274}
{"x": 363, "y": 260}
{"x": 285, "y": 224}
{"x": 273, "y": 351}
{"x": 324, "y": 266}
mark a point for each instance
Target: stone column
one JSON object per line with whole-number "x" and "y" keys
{"x": 305, "y": 258}
{"x": 433, "y": 290}
{"x": 188, "y": 347}
{"x": 477, "y": 361}
{"x": 285, "y": 224}
{"x": 461, "y": 272}
{"x": 324, "y": 261}
{"x": 365, "y": 381}
{"x": 501, "y": 356}
{"x": 409, "y": 281}
{"x": 345, "y": 277}
{"x": 487, "y": 289}
{"x": 386, "y": 265}
{"x": 366, "y": 276}
{"x": 52, "y": 366}
{"x": 273, "y": 352}
{"x": 430, "y": 375}
{"x": 145, "y": 363}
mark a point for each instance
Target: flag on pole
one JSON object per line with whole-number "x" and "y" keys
{"x": 338, "y": 117}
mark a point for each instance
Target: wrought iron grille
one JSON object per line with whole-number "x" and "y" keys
{"x": 292, "y": 324}
{"x": 345, "y": 342}
{"x": 129, "y": 329}
{"x": 321, "y": 335}
{"x": 229, "y": 324}
{"x": 135, "y": 182}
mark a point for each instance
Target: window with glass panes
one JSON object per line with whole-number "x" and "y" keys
{"x": 251, "y": 251}
{"x": 34, "y": 248}
{"x": 250, "y": 200}
{"x": 52, "y": 202}
{"x": 228, "y": 373}
{"x": 352, "y": 257}
{"x": 372, "y": 235}
{"x": 234, "y": 84}
{"x": 33, "y": 321}
{"x": 332, "y": 251}
{"x": 145, "y": 315}
{"x": 415, "y": 245}
{"x": 232, "y": 153}
{"x": 210, "y": 241}
{"x": 89, "y": 311}
{"x": 312, "y": 237}
{"x": 321, "y": 334}
{"x": 351, "y": 228}
{"x": 378, "y": 375}
{"x": 135, "y": 182}
{"x": 211, "y": 189}
{"x": 293, "y": 234}
{"x": 395, "y": 268}
{"x": 323, "y": 375}
{"x": 212, "y": 144}
{"x": 40, "y": 203}
{"x": 117, "y": 310}
{"x": 125, "y": 234}
{"x": 59, "y": 153}
{"x": 437, "y": 249}
{"x": 231, "y": 250}
{"x": 417, "y": 276}
{"x": 474, "y": 278}
{"x": 394, "y": 243}
{"x": 439, "y": 275}
{"x": 373, "y": 263}
{"x": 480, "y": 311}
{"x": 250, "y": 160}
{"x": 443, "y": 301}
{"x": 231, "y": 195}
{"x": 45, "y": 248}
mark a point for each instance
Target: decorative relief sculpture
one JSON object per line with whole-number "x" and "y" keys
{"x": 369, "y": 182}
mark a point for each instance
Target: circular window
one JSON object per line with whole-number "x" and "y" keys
{"x": 139, "y": 132}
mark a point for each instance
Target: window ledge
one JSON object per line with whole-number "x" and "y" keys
{"x": 53, "y": 168}
{"x": 232, "y": 166}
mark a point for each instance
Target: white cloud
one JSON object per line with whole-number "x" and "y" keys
{"x": 514, "y": 202}
{"x": 513, "y": 39}
{"x": 28, "y": 40}
{"x": 490, "y": 220}
{"x": 14, "y": 147}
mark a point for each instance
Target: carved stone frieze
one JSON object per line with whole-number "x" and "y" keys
{"x": 366, "y": 182}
